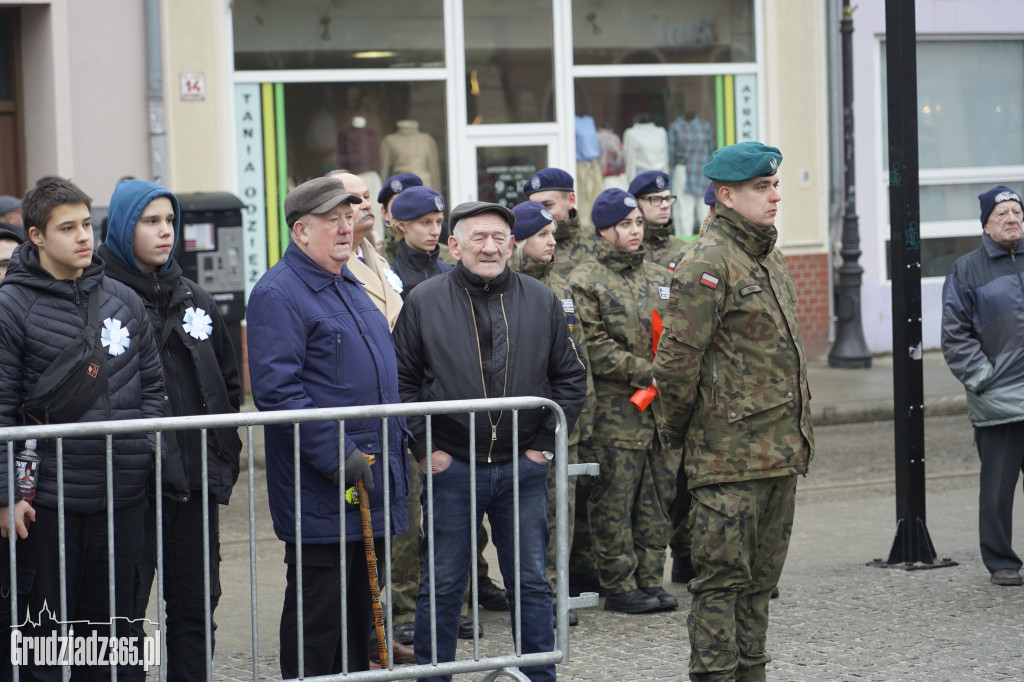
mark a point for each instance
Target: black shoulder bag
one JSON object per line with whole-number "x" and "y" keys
{"x": 74, "y": 381}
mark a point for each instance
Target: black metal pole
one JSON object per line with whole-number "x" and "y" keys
{"x": 912, "y": 547}
{"x": 849, "y": 350}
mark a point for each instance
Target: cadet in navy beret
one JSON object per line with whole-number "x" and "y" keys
{"x": 531, "y": 218}
{"x": 549, "y": 179}
{"x": 417, "y": 218}
{"x": 395, "y": 184}
{"x": 612, "y": 207}
{"x": 416, "y": 201}
{"x": 649, "y": 182}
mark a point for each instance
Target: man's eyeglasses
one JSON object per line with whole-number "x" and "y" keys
{"x": 657, "y": 200}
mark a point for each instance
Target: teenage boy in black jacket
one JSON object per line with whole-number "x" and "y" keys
{"x": 144, "y": 224}
{"x": 43, "y": 309}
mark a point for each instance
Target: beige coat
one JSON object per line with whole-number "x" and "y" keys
{"x": 370, "y": 271}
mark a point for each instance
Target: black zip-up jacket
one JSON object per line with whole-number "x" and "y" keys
{"x": 202, "y": 375}
{"x": 414, "y": 267}
{"x": 39, "y": 316}
{"x": 530, "y": 352}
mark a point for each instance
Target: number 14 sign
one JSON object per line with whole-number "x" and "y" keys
{"x": 193, "y": 87}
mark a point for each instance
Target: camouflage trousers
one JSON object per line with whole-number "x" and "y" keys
{"x": 628, "y": 510}
{"x": 407, "y": 561}
{"x": 741, "y": 534}
{"x": 553, "y": 541}
{"x": 581, "y": 557}
{"x": 679, "y": 515}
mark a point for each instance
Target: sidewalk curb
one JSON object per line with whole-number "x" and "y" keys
{"x": 864, "y": 411}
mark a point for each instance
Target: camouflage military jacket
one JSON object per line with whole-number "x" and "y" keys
{"x": 520, "y": 262}
{"x": 730, "y": 366}
{"x": 663, "y": 246}
{"x": 615, "y": 294}
{"x": 575, "y": 245}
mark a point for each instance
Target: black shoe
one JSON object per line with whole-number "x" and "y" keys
{"x": 668, "y": 602}
{"x": 775, "y": 592}
{"x": 682, "y": 569}
{"x": 492, "y": 597}
{"x": 585, "y": 582}
{"x": 404, "y": 632}
{"x": 634, "y": 601}
{"x": 572, "y": 616}
{"x": 1006, "y": 577}
{"x": 466, "y": 628}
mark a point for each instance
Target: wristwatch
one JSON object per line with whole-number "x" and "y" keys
{"x": 548, "y": 455}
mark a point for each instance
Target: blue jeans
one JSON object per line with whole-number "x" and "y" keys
{"x": 454, "y": 525}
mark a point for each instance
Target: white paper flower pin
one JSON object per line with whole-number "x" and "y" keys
{"x": 197, "y": 323}
{"x": 114, "y": 337}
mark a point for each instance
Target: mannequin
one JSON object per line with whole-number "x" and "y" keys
{"x": 645, "y": 145}
{"x": 407, "y": 150}
{"x": 359, "y": 153}
{"x": 692, "y": 141}
{"x": 588, "y": 167}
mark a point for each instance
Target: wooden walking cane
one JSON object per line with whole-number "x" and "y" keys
{"x": 358, "y": 495}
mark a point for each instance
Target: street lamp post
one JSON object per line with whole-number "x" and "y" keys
{"x": 849, "y": 350}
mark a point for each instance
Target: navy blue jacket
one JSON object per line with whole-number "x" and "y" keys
{"x": 316, "y": 340}
{"x": 982, "y": 327}
{"x": 39, "y": 316}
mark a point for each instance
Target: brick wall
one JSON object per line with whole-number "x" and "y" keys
{"x": 810, "y": 273}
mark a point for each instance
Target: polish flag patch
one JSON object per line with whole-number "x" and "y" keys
{"x": 710, "y": 281}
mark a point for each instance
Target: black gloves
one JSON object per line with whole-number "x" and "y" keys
{"x": 357, "y": 468}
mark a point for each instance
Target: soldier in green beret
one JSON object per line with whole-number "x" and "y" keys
{"x": 733, "y": 379}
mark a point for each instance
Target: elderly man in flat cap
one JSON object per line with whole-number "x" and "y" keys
{"x": 484, "y": 331}
{"x": 317, "y": 340}
{"x": 733, "y": 379}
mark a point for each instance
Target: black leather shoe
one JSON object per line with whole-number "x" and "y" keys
{"x": 682, "y": 569}
{"x": 667, "y": 601}
{"x": 492, "y": 597}
{"x": 775, "y": 592}
{"x": 634, "y": 601}
{"x": 585, "y": 582}
{"x": 466, "y": 628}
{"x": 572, "y": 616}
{"x": 404, "y": 632}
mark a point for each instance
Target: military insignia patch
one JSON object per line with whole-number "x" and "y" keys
{"x": 663, "y": 293}
{"x": 568, "y": 307}
{"x": 750, "y": 289}
{"x": 710, "y": 281}
{"x": 439, "y": 202}
{"x": 396, "y": 185}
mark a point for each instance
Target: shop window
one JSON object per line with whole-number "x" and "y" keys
{"x": 509, "y": 61}
{"x": 368, "y": 128}
{"x": 658, "y": 32}
{"x": 970, "y": 125}
{"x": 330, "y": 34}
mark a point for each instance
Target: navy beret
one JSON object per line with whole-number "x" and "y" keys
{"x": 416, "y": 201}
{"x": 395, "y": 184}
{"x": 996, "y": 195}
{"x": 709, "y": 195}
{"x": 610, "y": 207}
{"x": 548, "y": 179}
{"x": 742, "y": 161}
{"x": 649, "y": 182}
{"x": 468, "y": 209}
{"x": 531, "y": 218}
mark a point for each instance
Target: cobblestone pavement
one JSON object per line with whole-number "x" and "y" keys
{"x": 837, "y": 619}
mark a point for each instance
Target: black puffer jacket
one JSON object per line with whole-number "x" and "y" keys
{"x": 528, "y": 351}
{"x": 39, "y": 316}
{"x": 202, "y": 376}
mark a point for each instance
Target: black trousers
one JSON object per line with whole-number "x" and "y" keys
{"x": 85, "y": 546}
{"x": 185, "y": 624}
{"x": 322, "y": 615}
{"x": 1001, "y": 449}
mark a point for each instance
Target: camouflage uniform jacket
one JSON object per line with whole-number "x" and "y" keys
{"x": 730, "y": 366}
{"x": 520, "y": 262}
{"x": 615, "y": 294}
{"x": 663, "y": 246}
{"x": 575, "y": 245}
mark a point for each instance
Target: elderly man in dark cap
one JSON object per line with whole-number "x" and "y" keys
{"x": 733, "y": 379}
{"x": 10, "y": 210}
{"x": 484, "y": 331}
{"x": 982, "y": 325}
{"x": 308, "y": 318}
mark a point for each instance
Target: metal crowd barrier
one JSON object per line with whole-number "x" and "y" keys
{"x": 495, "y": 666}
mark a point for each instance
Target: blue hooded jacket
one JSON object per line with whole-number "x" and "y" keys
{"x": 129, "y": 200}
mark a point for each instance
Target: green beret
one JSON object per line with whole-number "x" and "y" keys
{"x": 743, "y": 161}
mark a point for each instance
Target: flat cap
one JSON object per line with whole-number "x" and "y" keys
{"x": 610, "y": 207}
{"x": 316, "y": 196}
{"x": 548, "y": 179}
{"x": 12, "y": 232}
{"x": 649, "y": 182}
{"x": 471, "y": 208}
{"x": 396, "y": 183}
{"x": 531, "y": 218}
{"x": 742, "y": 161}
{"x": 416, "y": 201}
{"x": 9, "y": 203}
